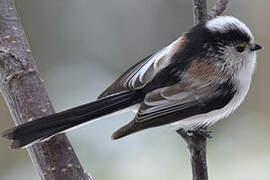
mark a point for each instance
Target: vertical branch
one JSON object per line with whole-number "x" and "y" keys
{"x": 219, "y": 8}
{"x": 197, "y": 148}
{"x": 27, "y": 99}
{"x": 195, "y": 141}
{"x": 200, "y": 11}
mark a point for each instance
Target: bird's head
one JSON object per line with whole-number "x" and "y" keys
{"x": 225, "y": 40}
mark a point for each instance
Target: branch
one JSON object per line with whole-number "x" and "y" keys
{"x": 200, "y": 14}
{"x": 219, "y": 8}
{"x": 196, "y": 142}
{"x": 27, "y": 99}
{"x": 197, "y": 148}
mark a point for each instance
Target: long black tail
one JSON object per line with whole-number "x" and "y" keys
{"x": 49, "y": 126}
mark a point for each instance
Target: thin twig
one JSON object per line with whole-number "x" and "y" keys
{"x": 27, "y": 99}
{"x": 219, "y": 8}
{"x": 197, "y": 148}
{"x": 200, "y": 11}
{"x": 196, "y": 142}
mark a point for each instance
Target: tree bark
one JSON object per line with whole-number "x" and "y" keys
{"x": 219, "y": 8}
{"x": 197, "y": 142}
{"x": 200, "y": 14}
{"x": 27, "y": 99}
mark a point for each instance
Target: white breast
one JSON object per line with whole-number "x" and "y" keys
{"x": 207, "y": 119}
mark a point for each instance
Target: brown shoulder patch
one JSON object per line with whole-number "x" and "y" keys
{"x": 204, "y": 70}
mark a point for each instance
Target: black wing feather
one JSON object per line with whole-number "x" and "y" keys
{"x": 224, "y": 94}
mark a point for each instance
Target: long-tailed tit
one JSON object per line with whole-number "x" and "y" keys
{"x": 197, "y": 80}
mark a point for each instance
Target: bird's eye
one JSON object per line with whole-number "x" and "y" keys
{"x": 240, "y": 47}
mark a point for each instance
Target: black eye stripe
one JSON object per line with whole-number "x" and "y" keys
{"x": 200, "y": 35}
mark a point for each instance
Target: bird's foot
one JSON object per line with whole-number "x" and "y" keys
{"x": 200, "y": 131}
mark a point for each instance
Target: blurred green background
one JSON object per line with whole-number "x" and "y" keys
{"x": 81, "y": 46}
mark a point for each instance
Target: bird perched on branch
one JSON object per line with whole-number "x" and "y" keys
{"x": 197, "y": 80}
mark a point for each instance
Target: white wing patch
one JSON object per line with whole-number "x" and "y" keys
{"x": 144, "y": 72}
{"x": 139, "y": 76}
{"x": 147, "y": 71}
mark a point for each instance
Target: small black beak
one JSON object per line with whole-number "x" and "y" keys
{"x": 256, "y": 47}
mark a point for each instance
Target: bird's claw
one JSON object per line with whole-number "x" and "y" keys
{"x": 200, "y": 131}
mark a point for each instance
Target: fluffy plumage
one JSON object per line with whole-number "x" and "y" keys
{"x": 197, "y": 80}
{"x": 200, "y": 91}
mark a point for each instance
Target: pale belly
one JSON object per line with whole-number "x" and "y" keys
{"x": 208, "y": 119}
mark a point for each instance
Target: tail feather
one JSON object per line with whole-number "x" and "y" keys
{"x": 29, "y": 139}
{"x": 128, "y": 129}
{"x": 49, "y": 126}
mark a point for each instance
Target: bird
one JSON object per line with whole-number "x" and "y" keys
{"x": 198, "y": 79}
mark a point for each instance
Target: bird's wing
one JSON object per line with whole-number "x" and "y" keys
{"x": 143, "y": 72}
{"x": 202, "y": 89}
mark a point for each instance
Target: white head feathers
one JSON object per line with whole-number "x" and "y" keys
{"x": 224, "y": 23}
